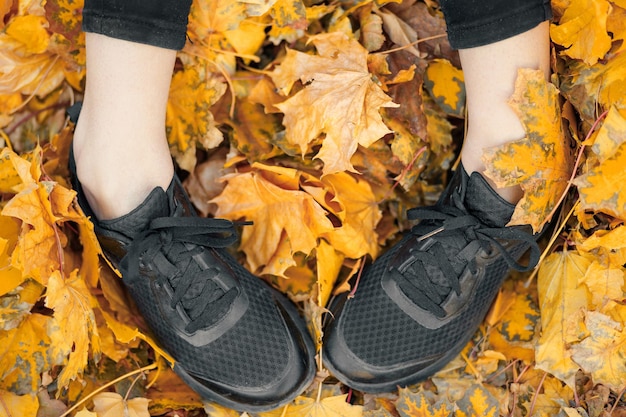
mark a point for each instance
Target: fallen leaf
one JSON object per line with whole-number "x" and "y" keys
{"x": 540, "y": 163}
{"x": 72, "y": 304}
{"x": 289, "y": 21}
{"x": 601, "y": 187}
{"x": 339, "y": 100}
{"x": 603, "y": 352}
{"x": 18, "y": 405}
{"x": 411, "y": 404}
{"x": 253, "y": 197}
{"x": 335, "y": 406}
{"x": 111, "y": 404}
{"x": 561, "y": 299}
{"x": 478, "y": 401}
{"x": 446, "y": 86}
{"x": 37, "y": 337}
{"x": 189, "y": 119}
{"x": 582, "y": 30}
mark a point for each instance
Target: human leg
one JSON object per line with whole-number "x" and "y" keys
{"x": 235, "y": 340}
{"x": 421, "y": 302}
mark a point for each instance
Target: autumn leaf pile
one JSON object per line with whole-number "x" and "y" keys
{"x": 340, "y": 116}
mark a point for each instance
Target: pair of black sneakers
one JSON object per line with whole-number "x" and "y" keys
{"x": 242, "y": 344}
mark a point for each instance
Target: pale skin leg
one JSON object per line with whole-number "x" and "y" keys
{"x": 120, "y": 145}
{"x": 490, "y": 72}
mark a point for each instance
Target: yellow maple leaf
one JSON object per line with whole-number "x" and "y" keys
{"x": 601, "y": 85}
{"x": 411, "y": 404}
{"x": 610, "y": 136}
{"x": 30, "y": 31}
{"x": 603, "y": 352}
{"x": 22, "y": 70}
{"x": 334, "y": 406}
{"x": 515, "y": 331}
{"x": 189, "y": 119}
{"x": 111, "y": 404}
{"x": 604, "y": 283}
{"x": 582, "y": 29}
{"x": 478, "y": 402}
{"x": 339, "y": 100}
{"x": 28, "y": 350}
{"x": 352, "y": 200}
{"x": 289, "y": 21}
{"x": 601, "y": 188}
{"x": 72, "y": 304}
{"x": 10, "y": 277}
{"x": 446, "y": 85}
{"x": 329, "y": 263}
{"x": 126, "y": 334}
{"x": 18, "y": 405}
{"x": 561, "y": 299}
{"x": 540, "y": 163}
{"x": 253, "y": 197}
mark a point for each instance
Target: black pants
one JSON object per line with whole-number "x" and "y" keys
{"x": 164, "y": 22}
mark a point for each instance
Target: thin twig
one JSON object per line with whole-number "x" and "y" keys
{"x": 534, "y": 400}
{"x": 400, "y": 48}
{"x": 108, "y": 384}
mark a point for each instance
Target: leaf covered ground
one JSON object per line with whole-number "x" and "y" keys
{"x": 345, "y": 114}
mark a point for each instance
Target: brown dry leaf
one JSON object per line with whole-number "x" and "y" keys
{"x": 16, "y": 405}
{"x": 73, "y": 309}
{"x": 254, "y": 197}
{"x": 561, "y": 300}
{"x": 339, "y": 100}
{"x": 335, "y": 406}
{"x": 582, "y": 29}
{"x": 539, "y": 163}
{"x": 111, "y": 404}
{"x": 372, "y": 37}
{"x": 603, "y": 352}
{"x": 400, "y": 32}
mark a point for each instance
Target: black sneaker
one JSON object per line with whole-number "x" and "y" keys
{"x": 421, "y": 302}
{"x": 236, "y": 340}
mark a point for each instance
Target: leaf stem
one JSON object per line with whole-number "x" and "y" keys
{"x": 532, "y": 403}
{"x": 108, "y": 384}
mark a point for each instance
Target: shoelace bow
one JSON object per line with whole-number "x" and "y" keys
{"x": 452, "y": 220}
{"x": 165, "y": 243}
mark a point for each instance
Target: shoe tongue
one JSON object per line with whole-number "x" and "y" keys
{"x": 483, "y": 202}
{"x": 154, "y": 206}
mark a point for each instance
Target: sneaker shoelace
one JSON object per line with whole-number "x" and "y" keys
{"x": 428, "y": 289}
{"x": 170, "y": 244}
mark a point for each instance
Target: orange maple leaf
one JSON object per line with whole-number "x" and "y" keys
{"x": 270, "y": 198}
{"x": 339, "y": 99}
{"x": 582, "y": 30}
